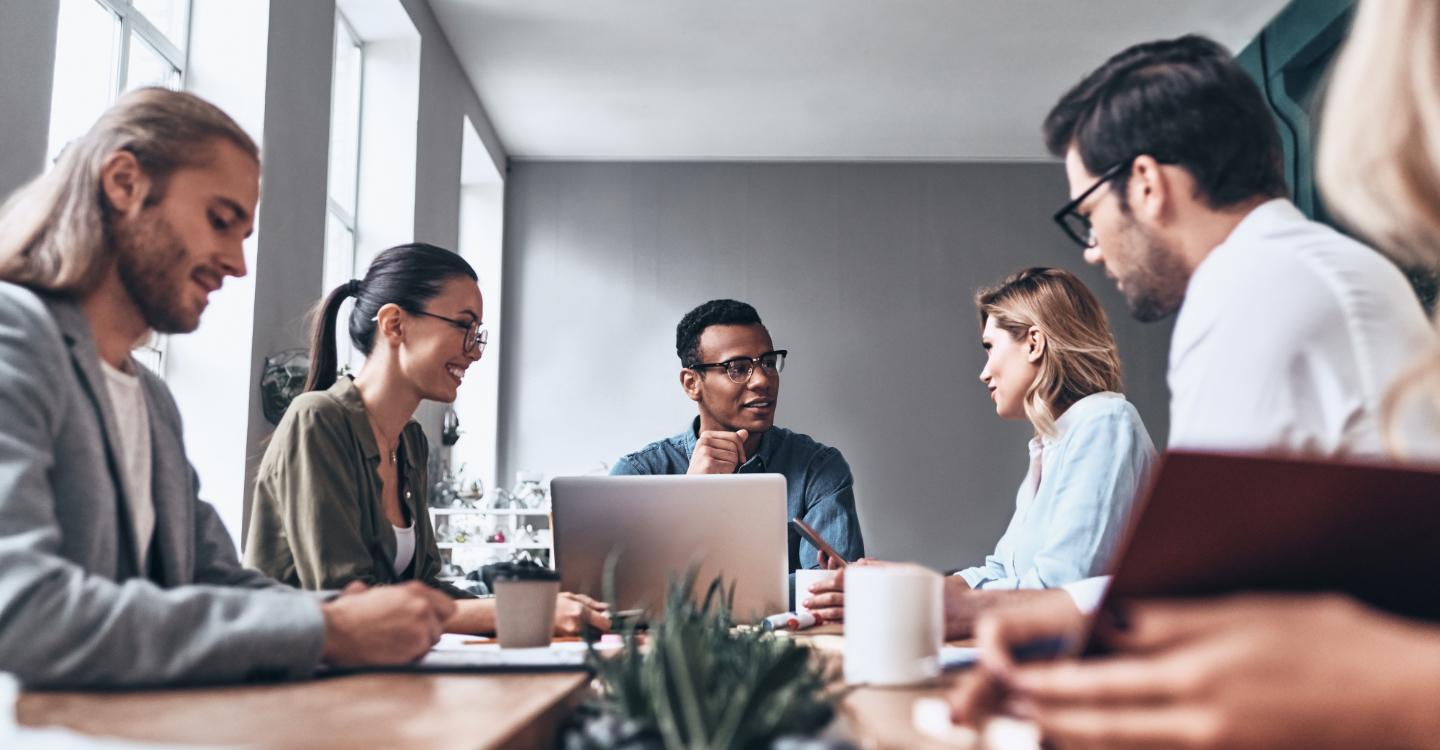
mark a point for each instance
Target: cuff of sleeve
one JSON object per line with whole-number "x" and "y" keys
{"x": 1088, "y": 593}
{"x": 975, "y": 577}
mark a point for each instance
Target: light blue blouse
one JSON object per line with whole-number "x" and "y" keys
{"x": 1068, "y": 528}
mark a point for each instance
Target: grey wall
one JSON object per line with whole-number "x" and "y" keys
{"x": 865, "y": 272}
{"x": 27, "y": 70}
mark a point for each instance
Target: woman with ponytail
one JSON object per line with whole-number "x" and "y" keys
{"x": 340, "y": 498}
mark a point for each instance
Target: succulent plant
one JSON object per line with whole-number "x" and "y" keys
{"x": 702, "y": 684}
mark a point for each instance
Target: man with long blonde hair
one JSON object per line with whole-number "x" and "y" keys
{"x": 112, "y": 571}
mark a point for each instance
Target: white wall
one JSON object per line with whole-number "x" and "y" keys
{"x": 865, "y": 272}
{"x": 482, "y": 214}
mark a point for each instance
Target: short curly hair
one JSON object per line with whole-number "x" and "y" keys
{"x": 716, "y": 312}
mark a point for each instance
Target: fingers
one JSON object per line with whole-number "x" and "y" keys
{"x": 718, "y": 452}
{"x": 598, "y": 620}
{"x": 1000, "y": 631}
{"x": 1157, "y": 624}
{"x": 443, "y": 605}
{"x": 826, "y": 600}
{"x": 354, "y": 587}
{"x": 587, "y": 601}
{"x": 976, "y": 697}
{"x": 1137, "y": 727}
{"x": 740, "y": 437}
{"x": 829, "y": 614}
{"x": 1108, "y": 680}
{"x": 832, "y": 584}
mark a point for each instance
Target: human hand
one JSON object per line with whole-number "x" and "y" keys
{"x": 572, "y": 611}
{"x": 1249, "y": 671}
{"x": 718, "y": 452}
{"x": 383, "y": 625}
{"x": 827, "y": 598}
{"x": 1007, "y": 623}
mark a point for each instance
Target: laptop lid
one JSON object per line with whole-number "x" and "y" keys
{"x": 735, "y": 524}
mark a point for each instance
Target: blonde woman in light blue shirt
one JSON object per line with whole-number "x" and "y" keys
{"x": 1052, "y": 360}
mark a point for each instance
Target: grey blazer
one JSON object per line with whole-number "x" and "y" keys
{"x": 75, "y": 608}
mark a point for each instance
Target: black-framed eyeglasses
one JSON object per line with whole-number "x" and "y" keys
{"x": 1078, "y": 226}
{"x": 741, "y": 368}
{"x": 475, "y": 336}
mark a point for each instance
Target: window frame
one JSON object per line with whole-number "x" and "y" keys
{"x": 347, "y": 218}
{"x": 134, "y": 23}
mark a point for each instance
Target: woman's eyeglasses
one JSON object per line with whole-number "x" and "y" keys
{"x": 475, "y": 336}
{"x": 741, "y": 368}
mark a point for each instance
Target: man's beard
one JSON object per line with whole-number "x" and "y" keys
{"x": 151, "y": 263}
{"x": 1155, "y": 287}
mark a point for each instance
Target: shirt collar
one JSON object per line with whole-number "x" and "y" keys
{"x": 1071, "y": 415}
{"x": 1261, "y": 221}
{"x": 348, "y": 395}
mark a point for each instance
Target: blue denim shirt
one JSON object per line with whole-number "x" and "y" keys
{"x": 818, "y": 485}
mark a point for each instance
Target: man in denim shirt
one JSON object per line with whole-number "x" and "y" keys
{"x": 731, "y": 370}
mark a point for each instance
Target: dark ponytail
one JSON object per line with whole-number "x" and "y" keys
{"x": 407, "y": 275}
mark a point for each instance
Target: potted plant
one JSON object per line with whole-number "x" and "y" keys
{"x": 700, "y": 683}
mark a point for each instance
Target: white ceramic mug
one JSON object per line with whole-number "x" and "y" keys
{"x": 894, "y": 624}
{"x": 803, "y": 580}
{"x": 525, "y": 613}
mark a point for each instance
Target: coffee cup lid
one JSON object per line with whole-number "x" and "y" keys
{"x": 524, "y": 570}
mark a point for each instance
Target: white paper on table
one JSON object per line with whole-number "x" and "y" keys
{"x": 54, "y": 738}
{"x": 455, "y": 650}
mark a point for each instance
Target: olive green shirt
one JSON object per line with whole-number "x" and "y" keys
{"x": 317, "y": 521}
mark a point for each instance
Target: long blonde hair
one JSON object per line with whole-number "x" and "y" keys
{"x": 1378, "y": 163}
{"x": 53, "y": 230}
{"x": 1080, "y": 354}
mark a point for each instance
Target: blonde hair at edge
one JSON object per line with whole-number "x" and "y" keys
{"x": 1379, "y": 157}
{"x": 1080, "y": 355}
{"x": 53, "y": 230}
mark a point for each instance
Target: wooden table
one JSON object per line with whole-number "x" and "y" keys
{"x": 381, "y": 711}
{"x": 407, "y": 711}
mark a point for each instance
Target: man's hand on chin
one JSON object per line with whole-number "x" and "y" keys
{"x": 718, "y": 452}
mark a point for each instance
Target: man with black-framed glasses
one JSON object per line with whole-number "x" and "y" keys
{"x": 1288, "y": 332}
{"x": 731, "y": 370}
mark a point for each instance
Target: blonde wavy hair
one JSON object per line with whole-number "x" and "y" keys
{"x": 1378, "y": 163}
{"x": 53, "y": 231}
{"x": 1080, "y": 355}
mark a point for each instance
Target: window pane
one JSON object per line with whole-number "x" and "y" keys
{"x": 148, "y": 68}
{"x": 345, "y": 119}
{"x": 166, "y": 15}
{"x": 85, "y": 52}
{"x": 339, "y": 253}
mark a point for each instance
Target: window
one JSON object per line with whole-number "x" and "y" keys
{"x": 344, "y": 180}
{"x": 107, "y": 47}
{"x": 104, "y": 48}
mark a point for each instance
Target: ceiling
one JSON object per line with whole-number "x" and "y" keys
{"x": 831, "y": 80}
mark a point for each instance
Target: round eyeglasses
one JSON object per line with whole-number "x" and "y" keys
{"x": 740, "y": 369}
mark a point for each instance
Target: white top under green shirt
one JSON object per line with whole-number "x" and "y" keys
{"x": 132, "y": 421}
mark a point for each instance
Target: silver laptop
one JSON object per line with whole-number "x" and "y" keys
{"x": 736, "y": 522}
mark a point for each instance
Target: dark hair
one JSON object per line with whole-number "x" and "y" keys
{"x": 407, "y": 275}
{"x": 1184, "y": 102}
{"x": 716, "y": 312}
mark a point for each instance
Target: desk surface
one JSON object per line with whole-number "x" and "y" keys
{"x": 392, "y": 711}
{"x": 405, "y": 711}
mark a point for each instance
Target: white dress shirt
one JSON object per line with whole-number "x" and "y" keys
{"x": 1288, "y": 338}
